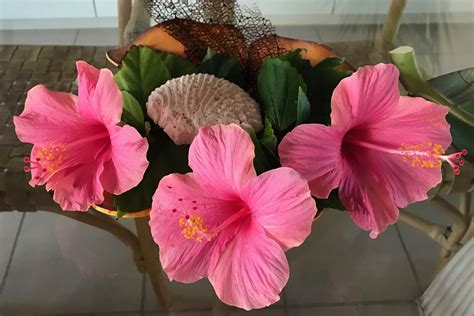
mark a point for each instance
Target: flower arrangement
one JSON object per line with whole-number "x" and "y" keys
{"x": 235, "y": 162}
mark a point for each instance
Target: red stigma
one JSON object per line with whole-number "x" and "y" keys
{"x": 180, "y": 199}
{"x": 464, "y": 152}
{"x": 26, "y": 169}
{"x": 38, "y": 159}
{"x": 186, "y": 217}
{"x": 26, "y": 159}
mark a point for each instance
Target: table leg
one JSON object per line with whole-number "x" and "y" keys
{"x": 124, "y": 7}
{"x": 152, "y": 264}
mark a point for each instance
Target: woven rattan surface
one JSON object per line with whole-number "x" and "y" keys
{"x": 22, "y": 67}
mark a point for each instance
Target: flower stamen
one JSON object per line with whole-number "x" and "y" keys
{"x": 194, "y": 228}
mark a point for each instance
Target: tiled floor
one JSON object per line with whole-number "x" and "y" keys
{"x": 54, "y": 265}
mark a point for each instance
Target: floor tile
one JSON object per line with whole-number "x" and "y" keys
{"x": 38, "y": 37}
{"x": 348, "y": 310}
{"x": 63, "y": 266}
{"x": 195, "y": 296}
{"x": 97, "y": 37}
{"x": 397, "y": 309}
{"x": 423, "y": 251}
{"x": 340, "y": 263}
{"x": 9, "y": 225}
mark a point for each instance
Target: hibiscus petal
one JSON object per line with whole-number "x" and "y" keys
{"x": 49, "y": 116}
{"x": 280, "y": 201}
{"x": 369, "y": 95}
{"x": 315, "y": 152}
{"x": 77, "y": 188}
{"x": 415, "y": 123}
{"x": 252, "y": 271}
{"x": 221, "y": 157}
{"x": 187, "y": 260}
{"x": 368, "y": 202}
{"x": 127, "y": 163}
{"x": 99, "y": 97}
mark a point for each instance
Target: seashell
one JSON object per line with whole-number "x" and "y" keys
{"x": 182, "y": 105}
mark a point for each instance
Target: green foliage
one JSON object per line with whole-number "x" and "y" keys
{"x": 458, "y": 87}
{"x": 267, "y": 137}
{"x": 303, "y": 110}
{"x": 132, "y": 113}
{"x": 143, "y": 70}
{"x": 321, "y": 80}
{"x": 278, "y": 85}
{"x": 224, "y": 67}
{"x": 265, "y": 159}
{"x": 165, "y": 157}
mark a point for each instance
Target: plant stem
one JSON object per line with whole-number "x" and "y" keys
{"x": 410, "y": 76}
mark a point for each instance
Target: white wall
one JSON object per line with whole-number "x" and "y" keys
{"x": 23, "y": 14}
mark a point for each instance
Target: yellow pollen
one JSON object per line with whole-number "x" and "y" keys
{"x": 51, "y": 156}
{"x": 424, "y": 155}
{"x": 194, "y": 227}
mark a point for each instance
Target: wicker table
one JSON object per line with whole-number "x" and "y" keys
{"x": 22, "y": 67}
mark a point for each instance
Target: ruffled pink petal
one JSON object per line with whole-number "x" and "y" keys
{"x": 370, "y": 94}
{"x": 99, "y": 97}
{"x": 252, "y": 271}
{"x": 417, "y": 124}
{"x": 280, "y": 201}
{"x": 127, "y": 163}
{"x": 187, "y": 260}
{"x": 221, "y": 157}
{"x": 368, "y": 202}
{"x": 77, "y": 188}
{"x": 49, "y": 116}
{"x": 315, "y": 152}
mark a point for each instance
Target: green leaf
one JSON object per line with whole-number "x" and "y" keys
{"x": 119, "y": 214}
{"x": 260, "y": 162}
{"x": 303, "y": 111}
{"x": 268, "y": 137}
{"x": 165, "y": 157}
{"x": 132, "y": 113}
{"x": 209, "y": 54}
{"x": 177, "y": 66}
{"x": 142, "y": 71}
{"x": 278, "y": 86}
{"x": 321, "y": 80}
{"x": 458, "y": 87}
{"x": 224, "y": 67}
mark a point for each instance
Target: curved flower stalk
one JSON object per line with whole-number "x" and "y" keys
{"x": 79, "y": 150}
{"x": 225, "y": 223}
{"x": 382, "y": 150}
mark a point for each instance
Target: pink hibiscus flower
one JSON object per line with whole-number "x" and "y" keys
{"x": 225, "y": 223}
{"x": 382, "y": 150}
{"x": 79, "y": 150}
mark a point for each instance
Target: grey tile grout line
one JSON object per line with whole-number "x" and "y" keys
{"x": 12, "y": 253}
{"x": 410, "y": 261}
